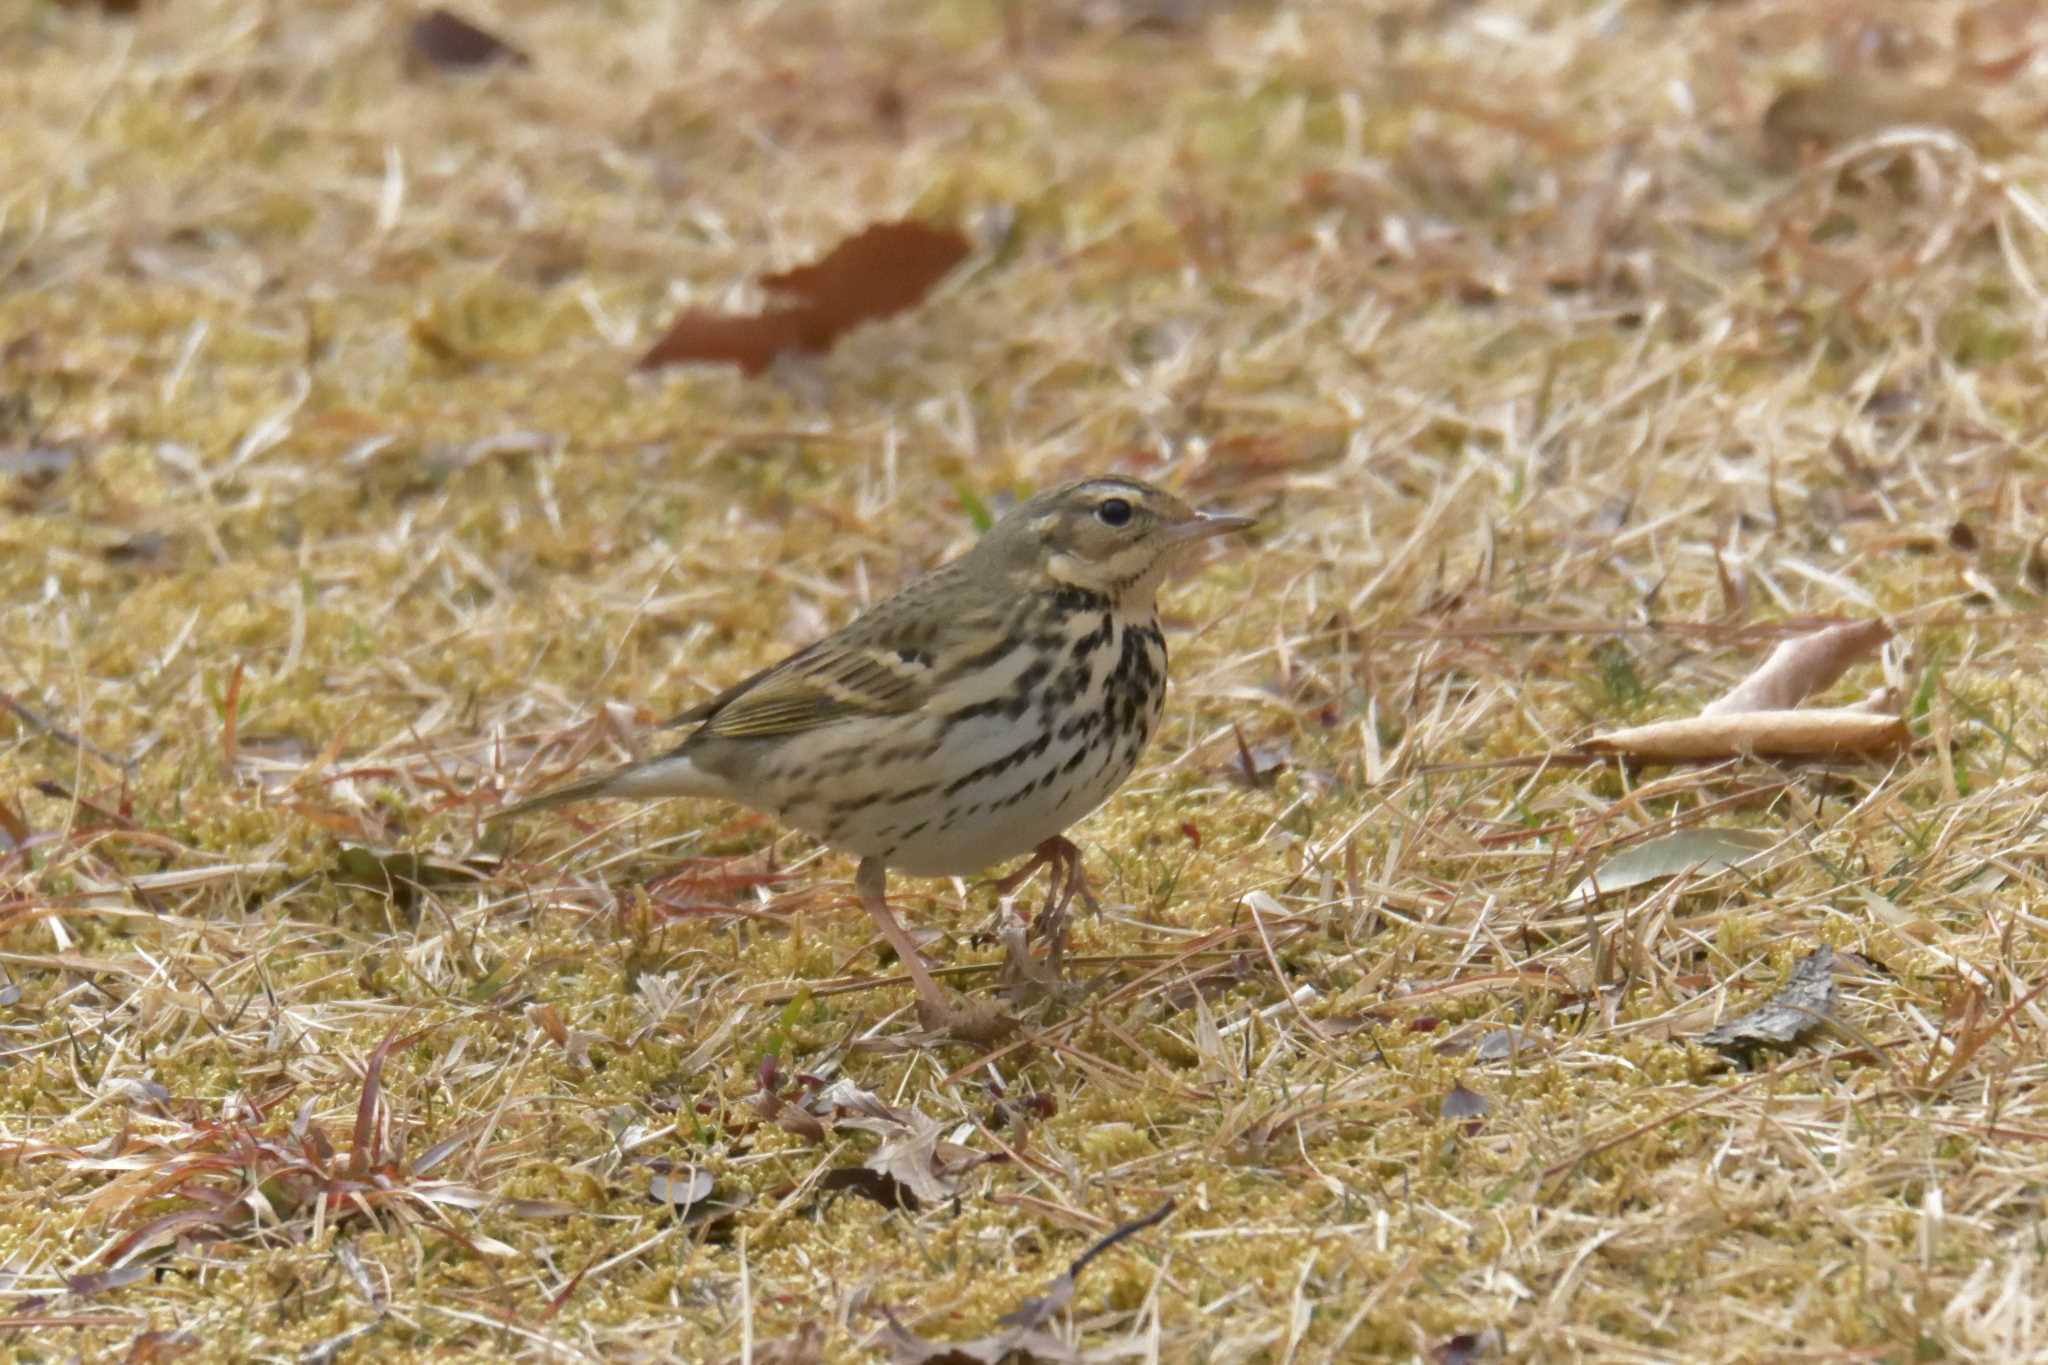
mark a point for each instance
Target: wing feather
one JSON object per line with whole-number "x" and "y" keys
{"x": 832, "y": 680}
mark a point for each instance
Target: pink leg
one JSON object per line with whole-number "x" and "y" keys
{"x": 936, "y": 1006}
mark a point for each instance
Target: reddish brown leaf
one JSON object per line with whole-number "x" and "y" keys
{"x": 749, "y": 340}
{"x": 444, "y": 39}
{"x": 879, "y": 272}
{"x": 367, "y": 1151}
{"x": 169, "y": 1228}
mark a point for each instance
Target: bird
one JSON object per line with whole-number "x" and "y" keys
{"x": 971, "y": 718}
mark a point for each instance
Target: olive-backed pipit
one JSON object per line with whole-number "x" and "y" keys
{"x": 968, "y": 719}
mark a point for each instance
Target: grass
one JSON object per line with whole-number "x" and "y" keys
{"x": 1565, "y": 382}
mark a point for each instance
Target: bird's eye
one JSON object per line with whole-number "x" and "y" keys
{"x": 1114, "y": 512}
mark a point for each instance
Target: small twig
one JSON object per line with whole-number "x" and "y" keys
{"x": 60, "y": 734}
{"x": 230, "y": 708}
{"x": 1118, "y": 1234}
{"x": 1251, "y": 903}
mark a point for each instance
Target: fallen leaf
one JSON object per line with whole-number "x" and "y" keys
{"x": 1797, "y": 669}
{"x": 1460, "y": 1103}
{"x": 100, "y": 1281}
{"x": 1493, "y": 1045}
{"x": 750, "y": 341}
{"x": 879, "y": 272}
{"x": 445, "y": 39}
{"x": 1820, "y": 732}
{"x": 680, "y": 1189}
{"x": 1467, "y": 1347}
{"x": 1811, "y": 116}
{"x": 882, "y": 1188}
{"x": 909, "y": 1154}
{"x": 1701, "y": 850}
{"x": 1023, "y": 1340}
{"x": 1803, "y": 1002}
{"x": 1258, "y": 767}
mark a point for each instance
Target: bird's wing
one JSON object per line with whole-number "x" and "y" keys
{"x": 834, "y": 679}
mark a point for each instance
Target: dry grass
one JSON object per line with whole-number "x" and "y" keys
{"x": 1561, "y": 386}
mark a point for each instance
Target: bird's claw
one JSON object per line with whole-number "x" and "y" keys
{"x": 980, "y": 1022}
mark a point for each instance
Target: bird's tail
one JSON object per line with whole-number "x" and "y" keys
{"x": 670, "y": 774}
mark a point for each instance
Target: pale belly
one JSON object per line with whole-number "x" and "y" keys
{"x": 935, "y": 800}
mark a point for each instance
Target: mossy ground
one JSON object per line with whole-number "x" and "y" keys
{"x": 1560, "y": 382}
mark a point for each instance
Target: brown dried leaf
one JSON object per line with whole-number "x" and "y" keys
{"x": 1797, "y": 669}
{"x": 886, "y": 269}
{"x": 1818, "y": 115}
{"x": 444, "y": 39}
{"x": 1819, "y": 733}
{"x": 790, "y": 1117}
{"x": 876, "y": 273}
{"x": 882, "y": 1188}
{"x": 1804, "y": 1001}
{"x": 751, "y": 341}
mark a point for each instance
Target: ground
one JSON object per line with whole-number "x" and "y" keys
{"x": 1571, "y": 355}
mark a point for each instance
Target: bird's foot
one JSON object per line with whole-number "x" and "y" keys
{"x": 1068, "y": 880}
{"x": 980, "y": 1022}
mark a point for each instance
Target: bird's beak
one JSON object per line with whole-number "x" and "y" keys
{"x": 1206, "y": 526}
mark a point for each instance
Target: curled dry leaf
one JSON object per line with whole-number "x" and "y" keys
{"x": 1803, "y": 1002}
{"x": 1797, "y": 669}
{"x": 1759, "y": 715}
{"x": 912, "y": 1152}
{"x": 877, "y": 273}
{"x": 1819, "y": 733}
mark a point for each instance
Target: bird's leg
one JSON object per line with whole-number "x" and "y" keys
{"x": 1069, "y": 879}
{"x": 937, "y": 1008}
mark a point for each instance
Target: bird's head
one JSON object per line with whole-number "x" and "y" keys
{"x": 1110, "y": 535}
